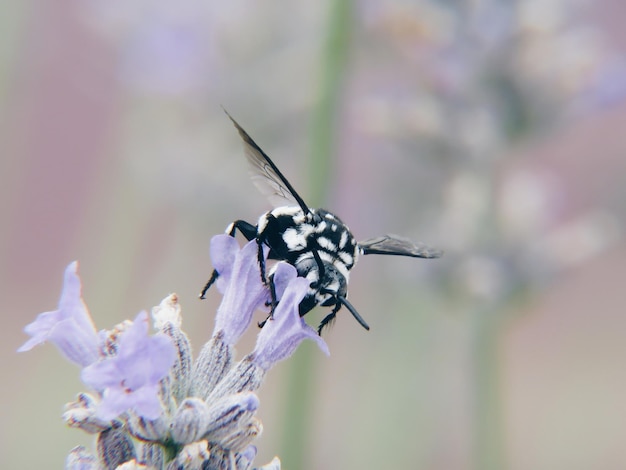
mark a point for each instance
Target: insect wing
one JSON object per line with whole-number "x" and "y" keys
{"x": 398, "y": 246}
{"x": 266, "y": 176}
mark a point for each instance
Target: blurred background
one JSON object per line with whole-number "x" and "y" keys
{"x": 491, "y": 129}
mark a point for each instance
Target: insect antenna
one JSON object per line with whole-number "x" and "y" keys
{"x": 343, "y": 301}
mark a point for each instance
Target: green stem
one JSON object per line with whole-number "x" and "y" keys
{"x": 301, "y": 378}
{"x": 488, "y": 419}
{"x": 324, "y": 122}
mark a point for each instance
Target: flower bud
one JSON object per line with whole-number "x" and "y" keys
{"x": 213, "y": 363}
{"x": 229, "y": 414}
{"x": 190, "y": 421}
{"x": 273, "y": 465}
{"x": 181, "y": 370}
{"x": 151, "y": 430}
{"x": 132, "y": 465}
{"x": 242, "y": 439}
{"x": 220, "y": 459}
{"x": 244, "y": 459}
{"x": 115, "y": 447}
{"x": 81, "y": 414}
{"x": 80, "y": 459}
{"x": 150, "y": 454}
{"x": 192, "y": 457}
{"x": 246, "y": 376}
{"x": 168, "y": 311}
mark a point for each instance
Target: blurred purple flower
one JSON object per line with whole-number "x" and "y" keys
{"x": 607, "y": 86}
{"x": 240, "y": 282}
{"x": 282, "y": 334}
{"x": 70, "y": 327}
{"x": 130, "y": 380}
{"x": 168, "y": 56}
{"x": 165, "y": 47}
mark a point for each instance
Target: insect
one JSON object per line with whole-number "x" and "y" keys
{"x": 316, "y": 242}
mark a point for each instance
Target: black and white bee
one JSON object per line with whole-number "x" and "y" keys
{"x": 316, "y": 242}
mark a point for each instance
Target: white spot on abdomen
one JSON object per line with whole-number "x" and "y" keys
{"x": 346, "y": 258}
{"x": 343, "y": 240}
{"x": 324, "y": 242}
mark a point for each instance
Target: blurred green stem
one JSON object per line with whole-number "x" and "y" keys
{"x": 301, "y": 380}
{"x": 487, "y": 327}
{"x": 488, "y": 420}
{"x": 324, "y": 124}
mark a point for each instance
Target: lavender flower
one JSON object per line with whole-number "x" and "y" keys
{"x": 153, "y": 407}
{"x": 282, "y": 334}
{"x": 70, "y": 327}
{"x": 239, "y": 272}
{"x": 130, "y": 379}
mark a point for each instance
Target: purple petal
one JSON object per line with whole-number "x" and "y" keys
{"x": 283, "y": 274}
{"x": 39, "y": 330}
{"x": 130, "y": 380}
{"x": 77, "y": 344}
{"x": 143, "y": 358}
{"x": 244, "y": 292}
{"x": 70, "y": 328}
{"x": 223, "y": 250}
{"x": 101, "y": 375}
{"x": 114, "y": 402}
{"x": 249, "y": 453}
{"x": 146, "y": 402}
{"x": 281, "y": 335}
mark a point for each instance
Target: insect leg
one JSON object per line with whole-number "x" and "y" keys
{"x": 328, "y": 318}
{"x": 250, "y": 232}
{"x": 273, "y": 300}
{"x": 209, "y": 283}
{"x": 272, "y": 303}
{"x": 261, "y": 259}
{"x": 246, "y": 228}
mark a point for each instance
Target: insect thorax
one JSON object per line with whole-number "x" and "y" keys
{"x": 293, "y": 235}
{"x": 290, "y": 233}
